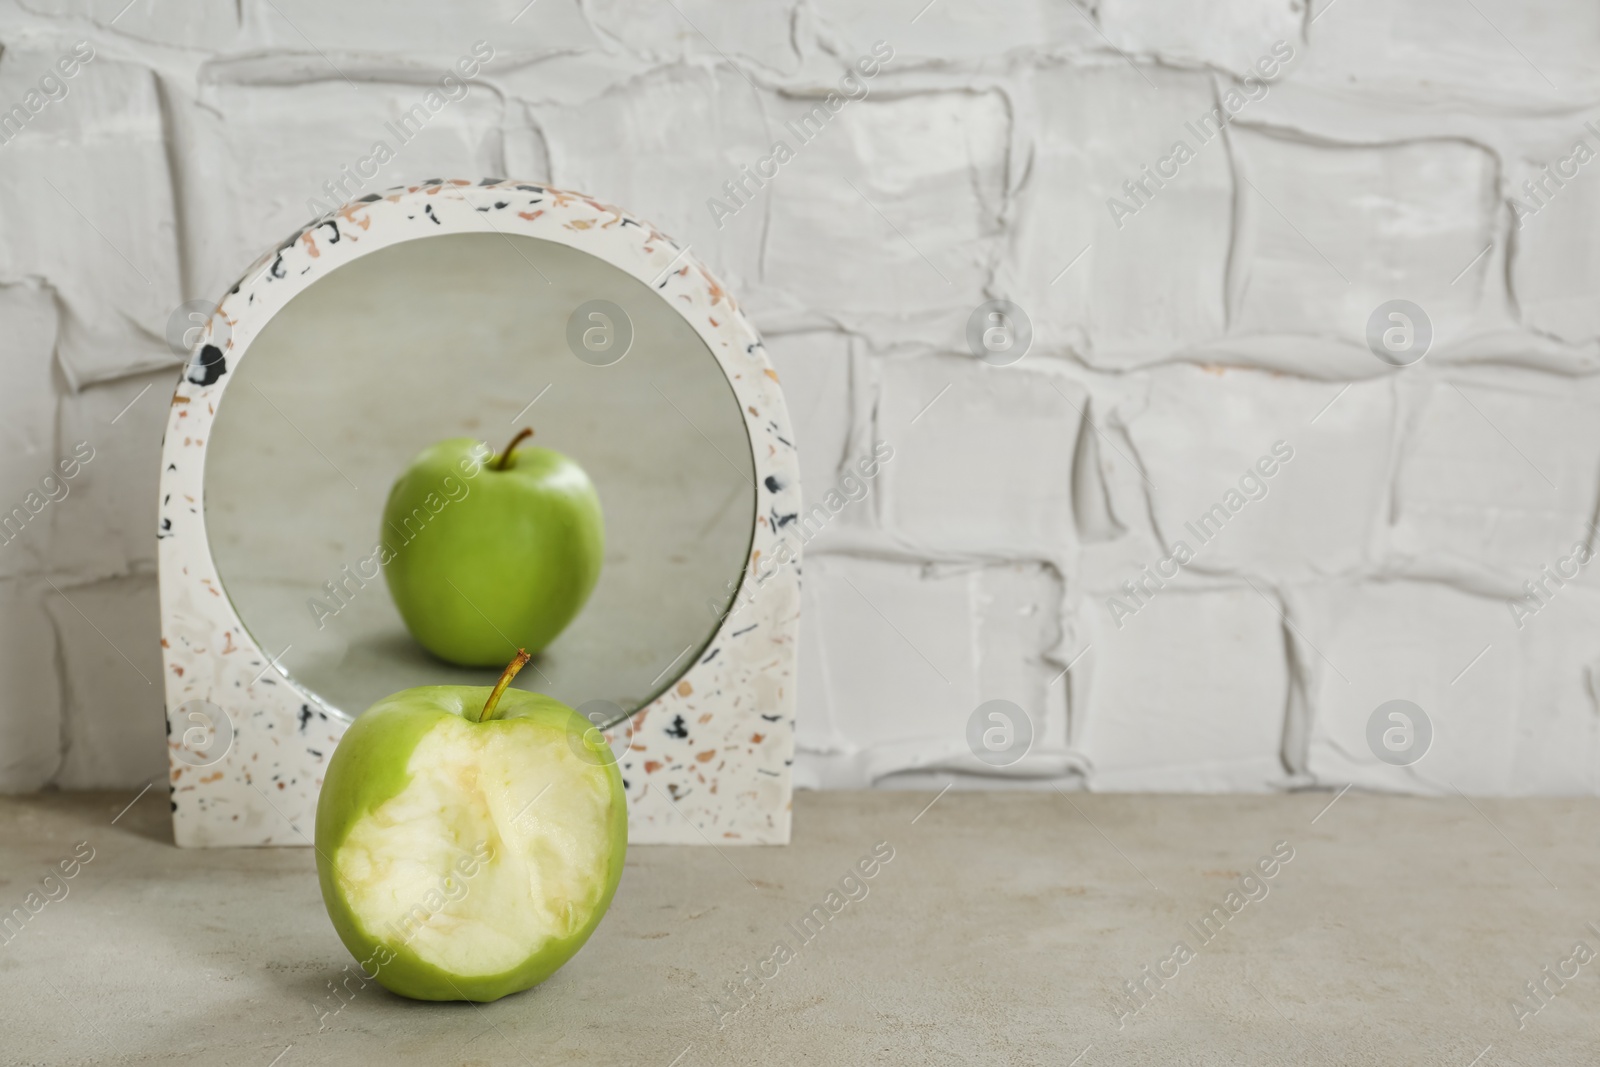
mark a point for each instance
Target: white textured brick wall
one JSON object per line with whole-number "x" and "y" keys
{"x": 1177, "y": 340}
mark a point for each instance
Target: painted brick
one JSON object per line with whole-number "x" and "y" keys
{"x": 1500, "y": 468}
{"x": 108, "y": 247}
{"x": 1190, "y": 696}
{"x": 27, "y": 426}
{"x": 1203, "y": 430}
{"x": 596, "y": 148}
{"x": 1556, "y": 259}
{"x": 1509, "y": 52}
{"x": 1232, "y": 35}
{"x": 106, "y": 525}
{"x": 669, "y": 33}
{"x": 945, "y": 31}
{"x": 185, "y": 23}
{"x": 887, "y": 218}
{"x": 983, "y": 457}
{"x": 815, "y": 369}
{"x": 1100, "y": 270}
{"x": 30, "y": 707}
{"x": 1556, "y": 722}
{"x": 423, "y": 31}
{"x": 1414, "y": 641}
{"x": 903, "y": 656}
{"x": 242, "y": 199}
{"x": 115, "y": 728}
{"x": 1329, "y": 232}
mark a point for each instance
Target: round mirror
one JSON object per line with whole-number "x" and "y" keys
{"x": 477, "y": 336}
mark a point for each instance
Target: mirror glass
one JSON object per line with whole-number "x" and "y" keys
{"x": 467, "y": 335}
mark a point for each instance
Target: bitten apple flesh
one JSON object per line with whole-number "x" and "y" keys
{"x": 463, "y": 859}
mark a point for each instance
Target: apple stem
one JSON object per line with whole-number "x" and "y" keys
{"x": 503, "y": 460}
{"x": 505, "y": 679}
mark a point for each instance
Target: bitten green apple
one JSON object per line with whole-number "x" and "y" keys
{"x": 469, "y": 839}
{"x": 508, "y": 563}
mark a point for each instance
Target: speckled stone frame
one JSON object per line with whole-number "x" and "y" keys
{"x": 708, "y": 761}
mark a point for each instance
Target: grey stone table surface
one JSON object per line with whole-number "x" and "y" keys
{"x": 1007, "y": 928}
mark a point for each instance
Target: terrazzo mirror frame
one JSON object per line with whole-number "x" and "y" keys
{"x": 707, "y": 762}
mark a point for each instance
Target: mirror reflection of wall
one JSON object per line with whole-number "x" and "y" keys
{"x": 466, "y": 335}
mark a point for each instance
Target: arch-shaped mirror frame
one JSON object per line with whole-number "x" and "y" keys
{"x": 707, "y": 761}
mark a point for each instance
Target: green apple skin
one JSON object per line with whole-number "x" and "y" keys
{"x": 501, "y": 559}
{"x": 374, "y": 764}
